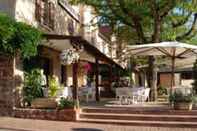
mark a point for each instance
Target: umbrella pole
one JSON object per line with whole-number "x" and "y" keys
{"x": 172, "y": 75}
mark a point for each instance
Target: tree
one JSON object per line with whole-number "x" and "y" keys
{"x": 194, "y": 84}
{"x": 150, "y": 21}
{"x": 18, "y": 36}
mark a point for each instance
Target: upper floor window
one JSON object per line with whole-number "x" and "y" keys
{"x": 45, "y": 13}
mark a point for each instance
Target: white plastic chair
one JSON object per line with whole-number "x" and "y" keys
{"x": 145, "y": 95}
{"x": 66, "y": 93}
{"x": 140, "y": 94}
{"x": 122, "y": 95}
{"x": 88, "y": 93}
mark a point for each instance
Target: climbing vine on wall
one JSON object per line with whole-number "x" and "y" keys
{"x": 18, "y": 36}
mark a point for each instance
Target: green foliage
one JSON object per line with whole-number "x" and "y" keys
{"x": 32, "y": 86}
{"x": 53, "y": 86}
{"x": 18, "y": 36}
{"x": 178, "y": 97}
{"x": 136, "y": 21}
{"x": 194, "y": 84}
{"x": 65, "y": 103}
{"x": 162, "y": 90}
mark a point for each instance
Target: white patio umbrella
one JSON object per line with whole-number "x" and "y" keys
{"x": 174, "y": 50}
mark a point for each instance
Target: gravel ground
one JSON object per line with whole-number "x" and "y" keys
{"x": 14, "y": 124}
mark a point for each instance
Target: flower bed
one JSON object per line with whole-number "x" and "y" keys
{"x": 47, "y": 114}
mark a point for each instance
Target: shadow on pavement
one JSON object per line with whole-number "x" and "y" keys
{"x": 86, "y": 129}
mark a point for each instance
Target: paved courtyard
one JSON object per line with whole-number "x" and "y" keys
{"x": 14, "y": 124}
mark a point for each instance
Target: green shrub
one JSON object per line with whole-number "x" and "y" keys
{"x": 65, "y": 103}
{"x": 195, "y": 99}
{"x": 53, "y": 87}
{"x": 162, "y": 90}
{"x": 32, "y": 86}
{"x": 18, "y": 37}
{"x": 178, "y": 97}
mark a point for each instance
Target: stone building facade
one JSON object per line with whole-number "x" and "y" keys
{"x": 52, "y": 17}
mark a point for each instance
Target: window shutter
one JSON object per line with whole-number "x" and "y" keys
{"x": 38, "y": 9}
{"x": 51, "y": 15}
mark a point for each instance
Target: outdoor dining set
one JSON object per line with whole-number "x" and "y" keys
{"x": 127, "y": 95}
{"x": 124, "y": 95}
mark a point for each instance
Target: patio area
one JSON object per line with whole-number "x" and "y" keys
{"x": 114, "y": 103}
{"x": 14, "y": 124}
{"x": 150, "y": 114}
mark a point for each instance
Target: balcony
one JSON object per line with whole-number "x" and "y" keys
{"x": 100, "y": 42}
{"x": 69, "y": 9}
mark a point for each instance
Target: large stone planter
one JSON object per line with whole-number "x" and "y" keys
{"x": 44, "y": 103}
{"x": 47, "y": 114}
{"x": 183, "y": 106}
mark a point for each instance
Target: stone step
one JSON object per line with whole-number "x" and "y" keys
{"x": 141, "y": 117}
{"x": 152, "y": 111}
{"x": 142, "y": 123}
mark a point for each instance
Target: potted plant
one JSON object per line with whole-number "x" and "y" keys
{"x": 182, "y": 101}
{"x": 162, "y": 91}
{"x": 50, "y": 101}
{"x": 32, "y": 87}
{"x": 65, "y": 103}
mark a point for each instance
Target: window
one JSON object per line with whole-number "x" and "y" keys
{"x": 45, "y": 13}
{"x": 186, "y": 75}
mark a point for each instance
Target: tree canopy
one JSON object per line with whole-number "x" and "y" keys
{"x": 148, "y": 20}
{"x": 18, "y": 36}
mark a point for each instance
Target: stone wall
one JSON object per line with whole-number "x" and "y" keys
{"x": 6, "y": 85}
{"x": 47, "y": 114}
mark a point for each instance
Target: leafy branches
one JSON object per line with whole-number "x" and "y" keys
{"x": 150, "y": 20}
{"x": 18, "y": 36}
{"x": 192, "y": 29}
{"x": 32, "y": 86}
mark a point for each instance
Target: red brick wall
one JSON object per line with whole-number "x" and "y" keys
{"x": 6, "y": 85}
{"x": 165, "y": 79}
{"x": 47, "y": 114}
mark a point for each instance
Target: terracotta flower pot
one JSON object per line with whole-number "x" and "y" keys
{"x": 183, "y": 106}
{"x": 44, "y": 103}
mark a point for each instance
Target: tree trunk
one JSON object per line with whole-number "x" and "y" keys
{"x": 152, "y": 82}
{"x": 157, "y": 31}
{"x": 152, "y": 65}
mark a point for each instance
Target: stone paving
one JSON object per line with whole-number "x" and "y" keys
{"x": 14, "y": 124}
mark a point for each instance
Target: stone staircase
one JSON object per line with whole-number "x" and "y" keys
{"x": 139, "y": 116}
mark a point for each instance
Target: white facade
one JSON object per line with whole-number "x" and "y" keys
{"x": 24, "y": 11}
{"x": 92, "y": 34}
{"x": 185, "y": 82}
